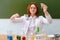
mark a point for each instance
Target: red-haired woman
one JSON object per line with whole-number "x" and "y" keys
{"x": 32, "y": 18}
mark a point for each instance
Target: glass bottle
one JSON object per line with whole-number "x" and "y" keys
{"x": 9, "y": 36}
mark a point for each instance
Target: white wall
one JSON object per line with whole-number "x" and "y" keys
{"x": 17, "y": 28}
{"x": 53, "y": 28}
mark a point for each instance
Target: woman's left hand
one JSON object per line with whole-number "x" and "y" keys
{"x": 44, "y": 7}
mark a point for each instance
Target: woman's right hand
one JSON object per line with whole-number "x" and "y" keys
{"x": 14, "y": 16}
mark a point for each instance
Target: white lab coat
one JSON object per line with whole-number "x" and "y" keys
{"x": 33, "y": 22}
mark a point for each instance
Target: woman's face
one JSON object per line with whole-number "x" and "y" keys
{"x": 33, "y": 9}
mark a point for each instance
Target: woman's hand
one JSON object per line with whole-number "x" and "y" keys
{"x": 47, "y": 15}
{"x": 14, "y": 16}
{"x": 44, "y": 7}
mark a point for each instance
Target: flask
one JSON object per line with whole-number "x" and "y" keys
{"x": 9, "y": 36}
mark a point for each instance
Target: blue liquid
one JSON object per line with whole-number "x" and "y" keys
{"x": 9, "y": 37}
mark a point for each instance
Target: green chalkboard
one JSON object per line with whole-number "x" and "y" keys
{"x": 10, "y": 7}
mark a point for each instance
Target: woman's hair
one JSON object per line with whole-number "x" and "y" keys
{"x": 28, "y": 9}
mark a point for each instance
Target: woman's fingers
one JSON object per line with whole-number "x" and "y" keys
{"x": 17, "y": 15}
{"x": 43, "y": 5}
{"x": 14, "y": 16}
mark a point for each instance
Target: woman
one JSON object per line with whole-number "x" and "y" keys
{"x": 32, "y": 18}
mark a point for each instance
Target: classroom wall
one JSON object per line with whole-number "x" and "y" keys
{"x": 10, "y": 7}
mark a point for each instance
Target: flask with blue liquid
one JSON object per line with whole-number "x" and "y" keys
{"x": 9, "y": 36}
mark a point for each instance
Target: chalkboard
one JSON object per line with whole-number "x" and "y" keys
{"x": 10, "y": 7}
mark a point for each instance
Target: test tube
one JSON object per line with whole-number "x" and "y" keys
{"x": 18, "y": 37}
{"x": 23, "y": 38}
{"x": 38, "y": 30}
{"x": 32, "y": 37}
{"x": 9, "y": 36}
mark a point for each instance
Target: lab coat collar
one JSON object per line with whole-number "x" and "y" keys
{"x": 32, "y": 17}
